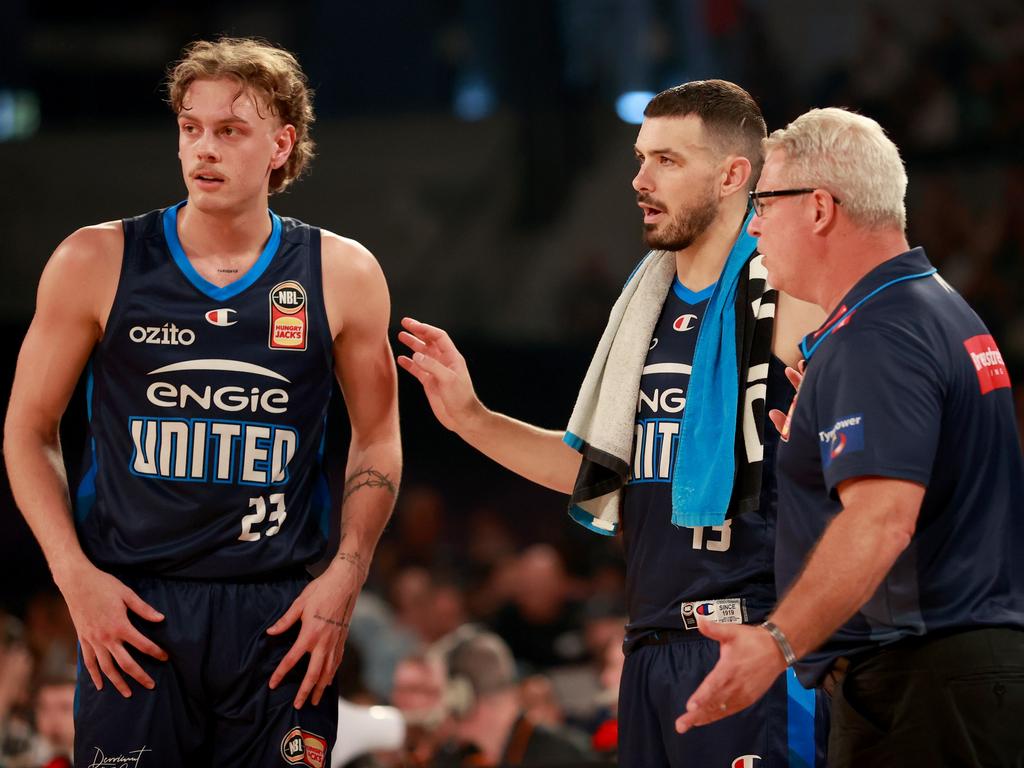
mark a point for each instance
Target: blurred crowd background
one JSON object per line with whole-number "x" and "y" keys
{"x": 482, "y": 149}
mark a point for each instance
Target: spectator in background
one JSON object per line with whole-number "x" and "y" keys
{"x": 426, "y": 605}
{"x": 541, "y": 622}
{"x": 54, "y": 712}
{"x": 418, "y": 691}
{"x": 16, "y": 739}
{"x": 606, "y": 733}
{"x": 484, "y": 701}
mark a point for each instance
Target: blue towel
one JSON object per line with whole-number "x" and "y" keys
{"x": 705, "y": 462}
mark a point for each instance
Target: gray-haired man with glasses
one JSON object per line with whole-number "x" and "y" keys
{"x": 900, "y": 473}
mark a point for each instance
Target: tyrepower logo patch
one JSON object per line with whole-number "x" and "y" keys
{"x": 988, "y": 363}
{"x": 289, "y": 324}
{"x": 847, "y": 436}
{"x": 301, "y": 747}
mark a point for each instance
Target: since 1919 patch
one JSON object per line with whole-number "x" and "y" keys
{"x": 289, "y": 322}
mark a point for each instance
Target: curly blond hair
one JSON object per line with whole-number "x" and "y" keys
{"x": 272, "y": 72}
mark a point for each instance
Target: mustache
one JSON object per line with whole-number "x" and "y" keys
{"x": 648, "y": 200}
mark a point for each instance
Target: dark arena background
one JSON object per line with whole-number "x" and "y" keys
{"x": 482, "y": 150}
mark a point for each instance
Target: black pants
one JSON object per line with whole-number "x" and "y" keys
{"x": 954, "y": 700}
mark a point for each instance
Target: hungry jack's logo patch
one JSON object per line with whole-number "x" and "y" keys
{"x": 289, "y": 323}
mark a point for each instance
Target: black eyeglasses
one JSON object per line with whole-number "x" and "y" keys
{"x": 756, "y": 197}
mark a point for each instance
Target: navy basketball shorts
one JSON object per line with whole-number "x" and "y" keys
{"x": 212, "y": 705}
{"x": 657, "y": 680}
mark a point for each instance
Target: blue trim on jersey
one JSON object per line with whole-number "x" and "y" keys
{"x": 79, "y": 676}
{"x": 800, "y": 722}
{"x": 218, "y": 292}
{"x": 835, "y": 323}
{"x": 573, "y": 441}
{"x": 692, "y": 297}
{"x": 322, "y": 490}
{"x": 89, "y": 383}
{"x": 85, "y": 496}
{"x": 322, "y": 501}
{"x": 586, "y": 519}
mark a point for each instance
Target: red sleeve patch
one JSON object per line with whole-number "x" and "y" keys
{"x": 988, "y": 363}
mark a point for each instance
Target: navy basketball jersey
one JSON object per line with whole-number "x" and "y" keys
{"x": 206, "y": 411}
{"x": 669, "y": 568}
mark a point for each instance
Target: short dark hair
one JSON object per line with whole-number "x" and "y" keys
{"x": 730, "y": 116}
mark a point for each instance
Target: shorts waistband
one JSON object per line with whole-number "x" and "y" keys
{"x": 732, "y": 610}
{"x": 661, "y": 637}
{"x": 293, "y": 573}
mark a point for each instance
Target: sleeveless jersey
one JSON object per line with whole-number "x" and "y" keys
{"x": 666, "y": 566}
{"x": 206, "y": 411}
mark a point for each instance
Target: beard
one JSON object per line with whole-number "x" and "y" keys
{"x": 683, "y": 228}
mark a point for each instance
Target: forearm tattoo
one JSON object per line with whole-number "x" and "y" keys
{"x": 352, "y": 558}
{"x": 368, "y": 478}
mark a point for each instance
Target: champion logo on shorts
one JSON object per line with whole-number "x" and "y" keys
{"x": 301, "y": 747}
{"x": 988, "y": 363}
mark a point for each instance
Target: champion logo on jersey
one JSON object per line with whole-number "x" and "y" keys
{"x": 685, "y": 323}
{"x": 988, "y": 363}
{"x": 289, "y": 324}
{"x": 301, "y": 747}
{"x": 746, "y": 761}
{"x": 221, "y": 317}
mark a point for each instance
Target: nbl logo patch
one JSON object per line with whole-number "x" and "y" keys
{"x": 301, "y": 747}
{"x": 289, "y": 323}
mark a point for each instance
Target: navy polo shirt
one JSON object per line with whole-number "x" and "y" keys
{"x": 904, "y": 381}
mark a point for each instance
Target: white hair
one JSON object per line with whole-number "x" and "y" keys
{"x": 850, "y": 156}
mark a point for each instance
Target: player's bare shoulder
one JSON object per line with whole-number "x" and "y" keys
{"x": 794, "y": 319}
{"x": 83, "y": 272}
{"x": 354, "y": 285}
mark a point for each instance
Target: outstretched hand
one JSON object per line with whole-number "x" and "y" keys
{"x": 749, "y": 661}
{"x": 99, "y": 605}
{"x": 779, "y": 419}
{"x": 441, "y": 369}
